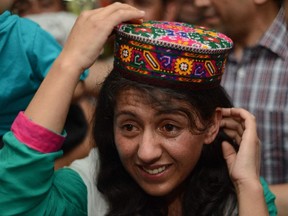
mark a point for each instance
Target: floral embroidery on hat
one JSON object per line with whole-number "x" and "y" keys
{"x": 178, "y": 53}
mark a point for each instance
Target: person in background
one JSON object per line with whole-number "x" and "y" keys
{"x": 168, "y": 139}
{"x": 28, "y": 7}
{"x": 281, "y": 190}
{"x": 29, "y": 52}
{"x": 258, "y": 73}
{"x": 187, "y": 12}
{"x": 55, "y": 17}
{"x": 28, "y": 55}
{"x": 51, "y": 15}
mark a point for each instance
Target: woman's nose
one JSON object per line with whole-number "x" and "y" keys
{"x": 149, "y": 149}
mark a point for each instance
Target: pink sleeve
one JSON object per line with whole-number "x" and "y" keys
{"x": 36, "y": 136}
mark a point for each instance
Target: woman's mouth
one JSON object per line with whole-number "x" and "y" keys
{"x": 155, "y": 171}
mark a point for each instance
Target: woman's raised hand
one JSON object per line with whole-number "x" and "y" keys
{"x": 92, "y": 29}
{"x": 244, "y": 165}
{"x": 240, "y": 125}
{"x": 50, "y": 104}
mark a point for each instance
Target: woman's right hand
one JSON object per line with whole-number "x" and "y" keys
{"x": 50, "y": 104}
{"x": 92, "y": 29}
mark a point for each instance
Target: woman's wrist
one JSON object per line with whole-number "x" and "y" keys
{"x": 68, "y": 66}
{"x": 251, "y": 198}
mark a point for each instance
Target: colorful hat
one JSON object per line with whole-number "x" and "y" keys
{"x": 171, "y": 54}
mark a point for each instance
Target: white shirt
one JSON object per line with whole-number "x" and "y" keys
{"x": 88, "y": 168}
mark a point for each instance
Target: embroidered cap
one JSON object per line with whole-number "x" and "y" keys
{"x": 171, "y": 54}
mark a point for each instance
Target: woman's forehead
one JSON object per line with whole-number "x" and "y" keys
{"x": 144, "y": 95}
{"x": 158, "y": 100}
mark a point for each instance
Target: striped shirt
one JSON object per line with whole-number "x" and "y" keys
{"x": 259, "y": 83}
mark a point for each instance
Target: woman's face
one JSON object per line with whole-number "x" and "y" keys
{"x": 156, "y": 146}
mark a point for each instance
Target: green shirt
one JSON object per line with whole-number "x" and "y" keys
{"x": 30, "y": 186}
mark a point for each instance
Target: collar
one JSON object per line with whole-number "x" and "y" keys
{"x": 276, "y": 37}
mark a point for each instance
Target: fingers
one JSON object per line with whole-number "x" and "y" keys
{"x": 235, "y": 121}
{"x": 115, "y": 14}
{"x": 240, "y": 114}
{"x": 126, "y": 13}
{"x": 240, "y": 125}
{"x": 232, "y": 125}
{"x": 108, "y": 18}
{"x": 229, "y": 154}
{"x": 91, "y": 31}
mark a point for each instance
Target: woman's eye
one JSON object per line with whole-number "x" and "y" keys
{"x": 129, "y": 130}
{"x": 170, "y": 130}
{"x": 169, "y": 127}
{"x": 128, "y": 127}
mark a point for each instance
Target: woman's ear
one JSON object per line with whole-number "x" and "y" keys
{"x": 214, "y": 127}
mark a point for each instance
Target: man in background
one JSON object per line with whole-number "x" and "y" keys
{"x": 256, "y": 72}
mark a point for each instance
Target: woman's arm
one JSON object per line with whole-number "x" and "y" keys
{"x": 29, "y": 185}
{"x": 50, "y": 105}
{"x": 244, "y": 165}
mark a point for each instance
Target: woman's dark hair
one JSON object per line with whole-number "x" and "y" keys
{"x": 208, "y": 191}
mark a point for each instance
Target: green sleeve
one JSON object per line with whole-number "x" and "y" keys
{"x": 269, "y": 197}
{"x": 30, "y": 186}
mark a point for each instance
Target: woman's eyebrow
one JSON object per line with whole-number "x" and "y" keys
{"x": 178, "y": 111}
{"x": 125, "y": 112}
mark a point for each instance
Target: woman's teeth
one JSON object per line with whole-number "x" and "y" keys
{"x": 154, "y": 171}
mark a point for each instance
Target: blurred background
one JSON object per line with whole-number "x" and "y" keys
{"x": 25, "y": 7}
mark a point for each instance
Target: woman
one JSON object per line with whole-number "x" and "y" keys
{"x": 158, "y": 150}
{"x": 157, "y": 128}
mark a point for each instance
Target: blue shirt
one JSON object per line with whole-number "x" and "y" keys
{"x": 26, "y": 55}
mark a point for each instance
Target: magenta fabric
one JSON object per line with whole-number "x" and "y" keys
{"x": 25, "y": 129}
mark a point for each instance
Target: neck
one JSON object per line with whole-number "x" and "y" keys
{"x": 175, "y": 208}
{"x": 175, "y": 200}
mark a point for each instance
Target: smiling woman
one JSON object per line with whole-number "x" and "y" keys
{"x": 162, "y": 126}
{"x": 160, "y": 141}
{"x": 161, "y": 104}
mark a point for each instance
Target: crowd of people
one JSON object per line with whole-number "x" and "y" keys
{"x": 137, "y": 107}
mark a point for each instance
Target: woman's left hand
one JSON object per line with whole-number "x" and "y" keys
{"x": 244, "y": 165}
